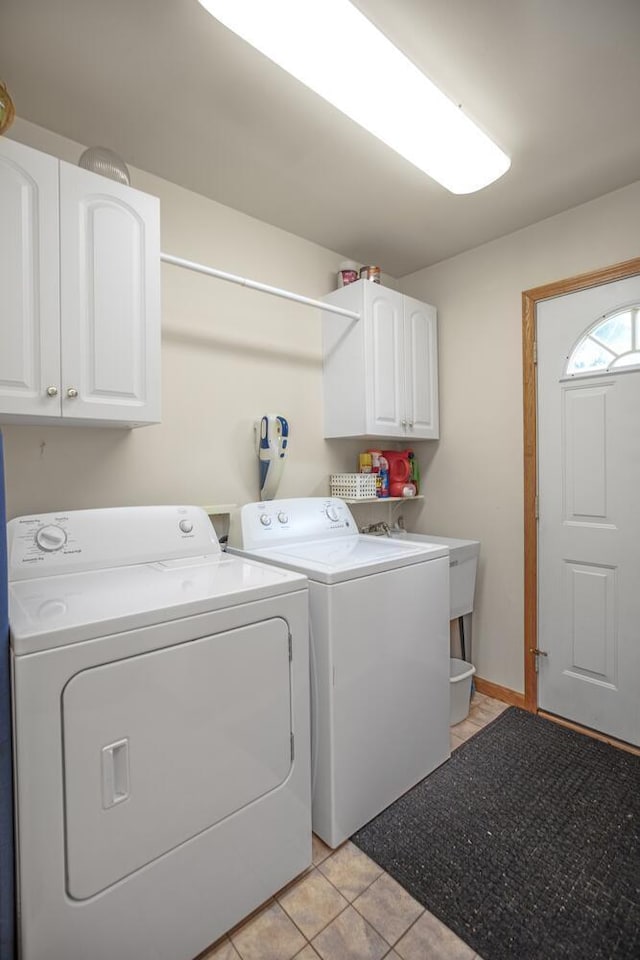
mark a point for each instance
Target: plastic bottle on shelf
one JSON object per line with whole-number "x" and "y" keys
{"x": 383, "y": 490}
{"x": 415, "y": 470}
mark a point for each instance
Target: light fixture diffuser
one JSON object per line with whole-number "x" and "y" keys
{"x": 332, "y": 48}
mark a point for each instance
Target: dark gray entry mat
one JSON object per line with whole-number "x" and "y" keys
{"x": 526, "y": 843}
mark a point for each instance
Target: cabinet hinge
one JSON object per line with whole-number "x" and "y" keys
{"x": 535, "y": 352}
{"x": 290, "y": 647}
{"x": 293, "y": 747}
{"x": 537, "y": 507}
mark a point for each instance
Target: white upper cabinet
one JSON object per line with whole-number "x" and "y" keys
{"x": 80, "y": 283}
{"x": 29, "y": 282}
{"x": 380, "y": 372}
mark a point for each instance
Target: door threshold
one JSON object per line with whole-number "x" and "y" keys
{"x": 594, "y": 734}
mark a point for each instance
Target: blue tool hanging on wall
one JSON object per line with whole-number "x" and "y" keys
{"x": 272, "y": 434}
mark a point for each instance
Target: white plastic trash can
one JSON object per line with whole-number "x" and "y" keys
{"x": 460, "y": 674}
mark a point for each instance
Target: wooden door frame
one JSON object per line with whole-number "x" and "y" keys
{"x": 530, "y": 300}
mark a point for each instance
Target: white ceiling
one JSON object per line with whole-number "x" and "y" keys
{"x": 555, "y": 83}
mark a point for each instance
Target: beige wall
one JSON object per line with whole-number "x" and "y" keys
{"x": 474, "y": 475}
{"x": 229, "y": 355}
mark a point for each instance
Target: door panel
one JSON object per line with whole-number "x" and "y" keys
{"x": 384, "y": 310}
{"x": 160, "y": 747}
{"x": 585, "y": 452}
{"x": 109, "y": 282}
{"x": 589, "y": 523}
{"x": 590, "y": 616}
{"x": 421, "y": 365}
{"x": 29, "y": 281}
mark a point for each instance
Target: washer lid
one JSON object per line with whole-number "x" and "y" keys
{"x": 50, "y": 612}
{"x": 346, "y": 558}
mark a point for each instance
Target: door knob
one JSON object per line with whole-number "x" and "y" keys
{"x": 72, "y": 393}
{"x": 52, "y": 391}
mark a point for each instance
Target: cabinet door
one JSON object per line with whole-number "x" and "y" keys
{"x": 421, "y": 370}
{"x": 110, "y": 263}
{"x": 383, "y": 316}
{"x": 29, "y": 283}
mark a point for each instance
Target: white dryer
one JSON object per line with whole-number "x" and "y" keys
{"x": 161, "y": 733}
{"x": 379, "y": 617}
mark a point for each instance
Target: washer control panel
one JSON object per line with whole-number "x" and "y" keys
{"x": 55, "y": 543}
{"x": 272, "y": 522}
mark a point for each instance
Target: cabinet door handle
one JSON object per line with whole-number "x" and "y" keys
{"x": 411, "y": 423}
{"x": 52, "y": 391}
{"x": 72, "y": 393}
{"x": 403, "y": 423}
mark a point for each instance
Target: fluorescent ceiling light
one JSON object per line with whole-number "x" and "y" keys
{"x": 333, "y": 49}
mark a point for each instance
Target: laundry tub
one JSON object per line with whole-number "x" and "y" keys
{"x": 460, "y": 678}
{"x": 463, "y": 565}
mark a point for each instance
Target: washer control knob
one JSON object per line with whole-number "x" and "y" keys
{"x": 186, "y": 526}
{"x": 265, "y": 519}
{"x": 51, "y": 538}
{"x": 332, "y": 513}
{"x": 282, "y": 517}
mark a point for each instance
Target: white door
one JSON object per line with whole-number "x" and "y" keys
{"x": 421, "y": 369}
{"x": 110, "y": 263}
{"x": 589, "y": 507}
{"x": 383, "y": 311}
{"x": 161, "y": 746}
{"x": 29, "y": 282}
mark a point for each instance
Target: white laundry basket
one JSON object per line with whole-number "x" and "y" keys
{"x": 460, "y": 674}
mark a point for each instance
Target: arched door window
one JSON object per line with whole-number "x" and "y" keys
{"x": 611, "y": 343}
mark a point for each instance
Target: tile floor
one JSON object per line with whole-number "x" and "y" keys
{"x": 346, "y": 908}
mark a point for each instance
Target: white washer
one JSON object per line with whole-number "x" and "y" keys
{"x": 380, "y": 653}
{"x": 161, "y": 704}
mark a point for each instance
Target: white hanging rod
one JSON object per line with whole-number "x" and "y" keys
{"x": 255, "y": 285}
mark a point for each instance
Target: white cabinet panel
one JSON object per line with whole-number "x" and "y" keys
{"x": 110, "y": 263}
{"x": 380, "y": 372}
{"x": 29, "y": 281}
{"x": 384, "y": 307}
{"x": 80, "y": 273}
{"x": 421, "y": 365}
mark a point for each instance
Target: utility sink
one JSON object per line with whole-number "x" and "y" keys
{"x": 463, "y": 565}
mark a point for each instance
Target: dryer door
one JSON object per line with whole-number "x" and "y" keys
{"x": 162, "y": 746}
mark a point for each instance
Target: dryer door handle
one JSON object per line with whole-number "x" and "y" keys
{"x": 115, "y": 773}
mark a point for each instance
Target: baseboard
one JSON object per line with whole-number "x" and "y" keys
{"x": 594, "y": 734}
{"x": 497, "y": 692}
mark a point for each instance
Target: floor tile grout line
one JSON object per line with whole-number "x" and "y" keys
{"x": 379, "y": 932}
{"x": 316, "y": 865}
{"x": 329, "y": 922}
{"x": 364, "y": 888}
